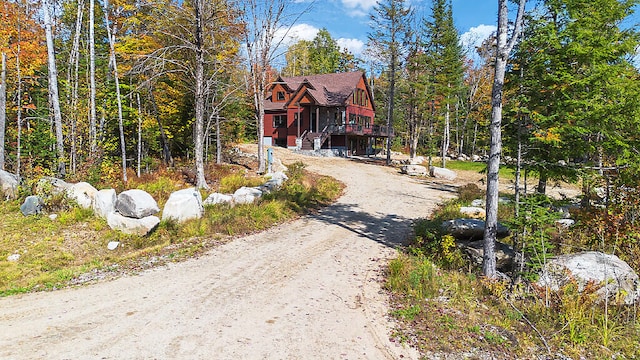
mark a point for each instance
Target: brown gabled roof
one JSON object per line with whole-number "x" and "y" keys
{"x": 327, "y": 89}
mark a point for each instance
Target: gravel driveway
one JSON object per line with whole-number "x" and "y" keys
{"x": 307, "y": 289}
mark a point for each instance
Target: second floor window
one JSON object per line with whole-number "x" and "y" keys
{"x": 280, "y": 96}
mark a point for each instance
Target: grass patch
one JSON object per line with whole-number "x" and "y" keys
{"x": 505, "y": 173}
{"x": 444, "y": 308}
{"x": 57, "y": 253}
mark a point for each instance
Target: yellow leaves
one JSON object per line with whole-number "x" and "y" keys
{"x": 549, "y": 136}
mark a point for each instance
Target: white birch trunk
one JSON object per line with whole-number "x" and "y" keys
{"x": 139, "y": 134}
{"x": 92, "y": 80}
{"x": 53, "y": 87}
{"x": 3, "y": 106}
{"x": 201, "y": 181}
{"x": 112, "y": 40}
{"x": 504, "y": 47}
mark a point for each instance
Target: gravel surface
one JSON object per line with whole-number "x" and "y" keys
{"x": 307, "y": 289}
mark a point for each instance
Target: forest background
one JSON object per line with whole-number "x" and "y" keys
{"x": 90, "y": 89}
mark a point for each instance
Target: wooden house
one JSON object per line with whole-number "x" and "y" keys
{"x": 328, "y": 111}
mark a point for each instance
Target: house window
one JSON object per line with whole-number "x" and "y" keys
{"x": 280, "y": 96}
{"x": 352, "y": 119}
{"x": 279, "y": 121}
{"x": 360, "y": 98}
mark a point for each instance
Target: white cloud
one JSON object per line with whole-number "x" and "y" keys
{"x": 296, "y": 33}
{"x": 359, "y": 7}
{"x": 355, "y": 46}
{"x": 476, "y": 35}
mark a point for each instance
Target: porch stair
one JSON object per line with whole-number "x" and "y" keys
{"x": 309, "y": 138}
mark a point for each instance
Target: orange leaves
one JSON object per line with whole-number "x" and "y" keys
{"x": 21, "y": 34}
{"x": 548, "y": 136}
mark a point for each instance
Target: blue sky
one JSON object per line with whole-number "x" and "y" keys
{"x": 348, "y": 20}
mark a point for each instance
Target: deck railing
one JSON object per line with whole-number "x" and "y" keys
{"x": 374, "y": 130}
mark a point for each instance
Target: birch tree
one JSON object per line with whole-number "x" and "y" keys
{"x": 92, "y": 79}
{"x": 53, "y": 86}
{"x": 503, "y": 49}
{"x": 3, "y": 105}
{"x": 265, "y": 30}
{"x": 111, "y": 34}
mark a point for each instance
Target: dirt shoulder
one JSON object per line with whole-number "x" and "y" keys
{"x": 307, "y": 289}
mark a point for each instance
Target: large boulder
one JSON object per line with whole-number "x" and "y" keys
{"x": 217, "y": 198}
{"x": 132, "y": 226}
{"x": 442, "y": 173}
{"x": 83, "y": 193}
{"x": 183, "y": 205}
{"x": 246, "y": 195}
{"x": 104, "y": 202}
{"x": 275, "y": 181}
{"x": 32, "y": 205}
{"x": 136, "y": 203}
{"x": 48, "y": 185}
{"x": 414, "y": 170}
{"x": 505, "y": 255}
{"x": 616, "y": 276}
{"x": 8, "y": 185}
{"x": 470, "y": 229}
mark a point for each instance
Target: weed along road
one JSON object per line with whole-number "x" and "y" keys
{"x": 307, "y": 289}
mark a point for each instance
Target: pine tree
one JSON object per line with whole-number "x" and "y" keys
{"x": 444, "y": 60}
{"x": 392, "y": 19}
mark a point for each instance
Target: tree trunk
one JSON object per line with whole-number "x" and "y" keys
{"x": 53, "y": 88}
{"x": 72, "y": 84}
{"x": 446, "y": 135}
{"x": 92, "y": 80}
{"x": 3, "y": 106}
{"x": 504, "y": 47}
{"x": 392, "y": 91}
{"x": 112, "y": 40}
{"x": 201, "y": 182}
{"x": 19, "y": 108}
{"x": 164, "y": 140}
{"x": 139, "y": 134}
{"x": 218, "y": 141}
{"x": 542, "y": 182}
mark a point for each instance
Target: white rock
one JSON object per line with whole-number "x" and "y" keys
{"x": 414, "y": 170}
{"x": 616, "y": 276}
{"x": 13, "y": 257}
{"x": 477, "y": 203}
{"x": 473, "y": 212}
{"x": 246, "y": 195}
{"x": 83, "y": 193}
{"x": 217, "y": 198}
{"x": 133, "y": 226}
{"x": 442, "y": 173}
{"x": 565, "y": 223}
{"x": 136, "y": 203}
{"x": 104, "y": 202}
{"x": 8, "y": 185}
{"x": 51, "y": 186}
{"x": 53, "y": 216}
{"x": 416, "y": 160}
{"x": 183, "y": 205}
{"x": 112, "y": 245}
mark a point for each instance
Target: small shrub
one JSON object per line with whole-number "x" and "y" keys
{"x": 469, "y": 192}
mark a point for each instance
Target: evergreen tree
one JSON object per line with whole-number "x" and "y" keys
{"x": 392, "y": 19}
{"x": 444, "y": 60}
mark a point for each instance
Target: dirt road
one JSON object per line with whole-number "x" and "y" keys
{"x": 308, "y": 289}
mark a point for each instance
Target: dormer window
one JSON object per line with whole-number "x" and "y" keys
{"x": 280, "y": 95}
